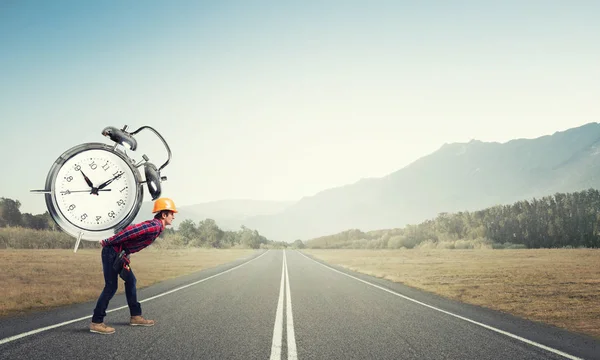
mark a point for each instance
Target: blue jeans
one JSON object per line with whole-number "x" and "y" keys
{"x": 111, "y": 282}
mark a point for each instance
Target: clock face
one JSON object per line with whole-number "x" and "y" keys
{"x": 95, "y": 190}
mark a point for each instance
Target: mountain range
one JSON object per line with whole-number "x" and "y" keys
{"x": 457, "y": 177}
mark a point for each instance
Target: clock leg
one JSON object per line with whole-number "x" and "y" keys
{"x": 78, "y": 241}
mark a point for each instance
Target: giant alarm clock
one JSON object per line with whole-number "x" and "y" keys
{"x": 94, "y": 190}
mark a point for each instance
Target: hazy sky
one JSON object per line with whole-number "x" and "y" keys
{"x": 279, "y": 100}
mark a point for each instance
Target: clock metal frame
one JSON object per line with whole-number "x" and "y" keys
{"x": 77, "y": 231}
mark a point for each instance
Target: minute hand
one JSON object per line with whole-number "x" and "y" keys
{"x": 67, "y": 192}
{"x": 104, "y": 184}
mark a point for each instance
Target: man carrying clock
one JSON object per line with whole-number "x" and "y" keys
{"x": 129, "y": 240}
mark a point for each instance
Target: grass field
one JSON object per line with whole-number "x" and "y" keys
{"x": 42, "y": 279}
{"x": 555, "y": 286}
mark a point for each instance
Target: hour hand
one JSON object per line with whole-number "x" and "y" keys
{"x": 87, "y": 180}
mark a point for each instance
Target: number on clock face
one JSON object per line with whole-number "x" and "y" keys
{"x": 102, "y": 209}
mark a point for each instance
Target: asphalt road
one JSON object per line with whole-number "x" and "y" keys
{"x": 284, "y": 305}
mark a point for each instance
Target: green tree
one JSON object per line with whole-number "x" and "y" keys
{"x": 298, "y": 244}
{"x": 10, "y": 215}
{"x": 38, "y": 222}
{"x": 188, "y": 231}
{"x": 249, "y": 238}
{"x": 210, "y": 233}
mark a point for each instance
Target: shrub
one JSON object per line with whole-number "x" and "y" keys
{"x": 24, "y": 238}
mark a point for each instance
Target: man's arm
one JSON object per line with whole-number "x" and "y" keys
{"x": 126, "y": 234}
{"x": 132, "y": 232}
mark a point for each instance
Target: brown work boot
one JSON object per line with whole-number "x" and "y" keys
{"x": 140, "y": 321}
{"x": 101, "y": 328}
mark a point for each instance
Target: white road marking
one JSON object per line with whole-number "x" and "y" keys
{"x": 284, "y": 288}
{"x": 533, "y": 343}
{"x": 32, "y": 332}
{"x": 291, "y": 337}
{"x": 278, "y": 327}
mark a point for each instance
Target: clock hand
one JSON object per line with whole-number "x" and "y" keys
{"x": 67, "y": 192}
{"x": 87, "y": 180}
{"x": 104, "y": 184}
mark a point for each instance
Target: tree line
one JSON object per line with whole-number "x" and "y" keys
{"x": 561, "y": 220}
{"x": 206, "y": 233}
{"x": 10, "y": 215}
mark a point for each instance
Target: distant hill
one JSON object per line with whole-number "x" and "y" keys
{"x": 456, "y": 177}
{"x": 228, "y": 214}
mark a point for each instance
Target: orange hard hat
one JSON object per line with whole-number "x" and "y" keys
{"x": 164, "y": 204}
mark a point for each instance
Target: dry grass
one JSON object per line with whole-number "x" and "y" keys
{"x": 42, "y": 279}
{"x": 555, "y": 286}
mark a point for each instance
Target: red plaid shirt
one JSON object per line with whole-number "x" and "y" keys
{"x": 135, "y": 237}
